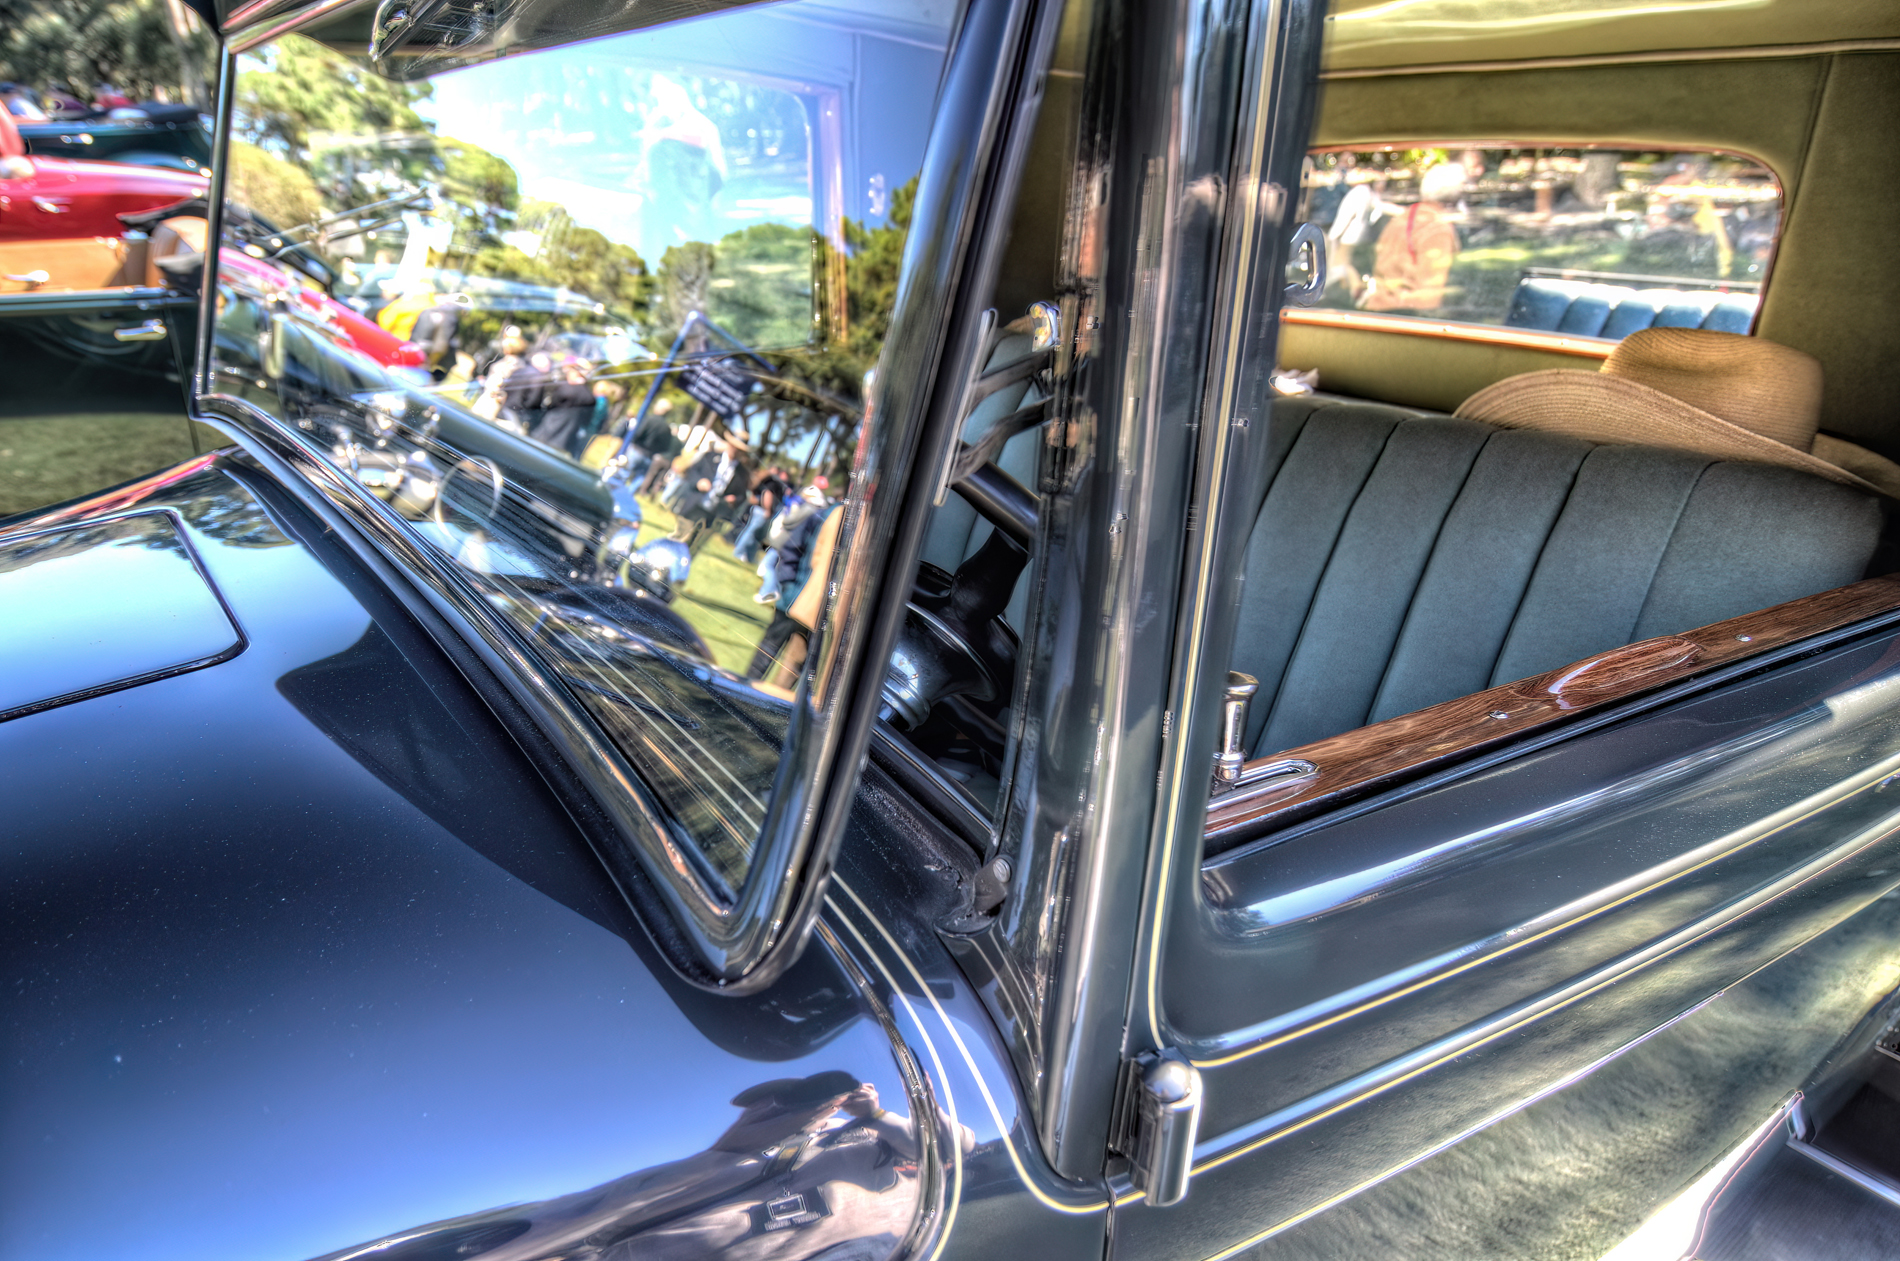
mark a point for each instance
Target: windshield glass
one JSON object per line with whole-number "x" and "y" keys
{"x": 594, "y": 318}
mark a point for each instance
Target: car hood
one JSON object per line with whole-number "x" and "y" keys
{"x": 306, "y": 956}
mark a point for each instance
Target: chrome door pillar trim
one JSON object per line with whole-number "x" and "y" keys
{"x": 1282, "y": 63}
{"x": 1139, "y": 274}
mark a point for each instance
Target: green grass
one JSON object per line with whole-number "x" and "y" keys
{"x": 717, "y": 597}
{"x": 47, "y": 459}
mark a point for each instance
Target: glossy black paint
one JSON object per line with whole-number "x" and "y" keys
{"x": 307, "y": 956}
{"x": 97, "y": 607}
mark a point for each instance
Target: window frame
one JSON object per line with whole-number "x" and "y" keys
{"x": 744, "y": 947}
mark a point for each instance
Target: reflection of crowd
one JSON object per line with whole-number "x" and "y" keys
{"x": 546, "y": 395}
{"x": 787, "y": 530}
{"x": 1395, "y": 232}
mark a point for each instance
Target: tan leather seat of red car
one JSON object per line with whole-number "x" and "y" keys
{"x": 70, "y": 263}
{"x": 181, "y": 234}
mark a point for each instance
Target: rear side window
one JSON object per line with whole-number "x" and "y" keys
{"x": 1586, "y": 242}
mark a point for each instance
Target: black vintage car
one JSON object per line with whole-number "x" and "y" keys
{"x": 1347, "y": 709}
{"x": 175, "y": 136}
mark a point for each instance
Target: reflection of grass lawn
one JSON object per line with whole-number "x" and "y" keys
{"x": 717, "y": 597}
{"x": 46, "y": 459}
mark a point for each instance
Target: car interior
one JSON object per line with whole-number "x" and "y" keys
{"x": 1474, "y": 516}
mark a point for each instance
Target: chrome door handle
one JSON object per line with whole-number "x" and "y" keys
{"x": 32, "y": 279}
{"x": 150, "y": 331}
{"x": 52, "y": 207}
{"x": 1309, "y": 246}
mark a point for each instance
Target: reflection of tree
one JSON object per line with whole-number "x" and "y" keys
{"x": 306, "y": 92}
{"x": 280, "y": 192}
{"x": 142, "y": 47}
{"x": 234, "y": 520}
{"x": 761, "y": 292}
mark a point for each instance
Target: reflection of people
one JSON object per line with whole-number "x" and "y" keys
{"x": 1416, "y": 250}
{"x": 813, "y": 1167}
{"x": 493, "y": 375}
{"x": 684, "y": 160}
{"x": 720, "y": 473}
{"x": 799, "y": 550}
{"x": 567, "y": 401}
{"x": 1358, "y": 210}
{"x": 769, "y": 490}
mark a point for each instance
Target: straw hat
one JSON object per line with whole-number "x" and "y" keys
{"x": 1689, "y": 389}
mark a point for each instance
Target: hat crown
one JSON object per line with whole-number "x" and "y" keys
{"x": 1762, "y": 386}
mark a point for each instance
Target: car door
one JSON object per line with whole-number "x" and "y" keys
{"x": 98, "y": 337}
{"x": 1498, "y": 976}
{"x": 96, "y": 394}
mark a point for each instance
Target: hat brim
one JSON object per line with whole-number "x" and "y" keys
{"x": 1612, "y": 410}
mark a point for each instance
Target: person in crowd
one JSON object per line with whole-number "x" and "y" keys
{"x": 684, "y": 163}
{"x": 1412, "y": 266}
{"x": 567, "y": 402}
{"x": 1359, "y": 207}
{"x": 498, "y": 365}
{"x": 653, "y": 449}
{"x": 19, "y": 101}
{"x": 399, "y": 315}
{"x": 785, "y": 540}
{"x": 524, "y": 394}
{"x": 601, "y": 418}
{"x": 769, "y": 490}
{"x": 801, "y": 547}
{"x": 435, "y": 331}
{"x": 721, "y": 469}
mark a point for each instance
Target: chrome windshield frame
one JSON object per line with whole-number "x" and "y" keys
{"x": 742, "y": 945}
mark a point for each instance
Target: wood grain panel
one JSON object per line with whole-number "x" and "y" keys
{"x": 1593, "y": 348}
{"x": 1355, "y": 762}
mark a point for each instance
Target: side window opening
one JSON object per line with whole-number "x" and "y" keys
{"x": 1423, "y": 584}
{"x": 1582, "y": 241}
{"x": 955, "y": 678}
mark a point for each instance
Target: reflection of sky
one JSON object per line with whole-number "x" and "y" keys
{"x": 312, "y": 1017}
{"x": 570, "y": 120}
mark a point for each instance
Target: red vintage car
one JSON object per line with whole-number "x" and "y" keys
{"x": 60, "y": 231}
{"x": 45, "y": 199}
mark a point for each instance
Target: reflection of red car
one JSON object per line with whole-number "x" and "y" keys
{"x": 61, "y": 198}
{"x": 344, "y": 325}
{"x": 64, "y": 198}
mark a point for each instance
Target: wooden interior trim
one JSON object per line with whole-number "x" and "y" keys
{"x": 1751, "y": 52}
{"x": 1355, "y": 762}
{"x": 1596, "y": 348}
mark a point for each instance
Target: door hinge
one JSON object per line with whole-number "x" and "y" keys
{"x": 1157, "y": 1119}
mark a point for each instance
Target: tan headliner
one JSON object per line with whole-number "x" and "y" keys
{"x": 1368, "y": 34}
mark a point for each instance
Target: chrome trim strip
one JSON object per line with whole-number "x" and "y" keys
{"x": 261, "y": 30}
{"x": 1316, "y": 1108}
{"x": 1256, "y": 206}
{"x": 201, "y": 380}
{"x": 1859, "y": 1177}
{"x": 1759, "y": 52}
{"x": 1411, "y": 1162}
{"x": 1289, "y": 1026}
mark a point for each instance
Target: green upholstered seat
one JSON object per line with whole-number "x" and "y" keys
{"x": 1401, "y": 558}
